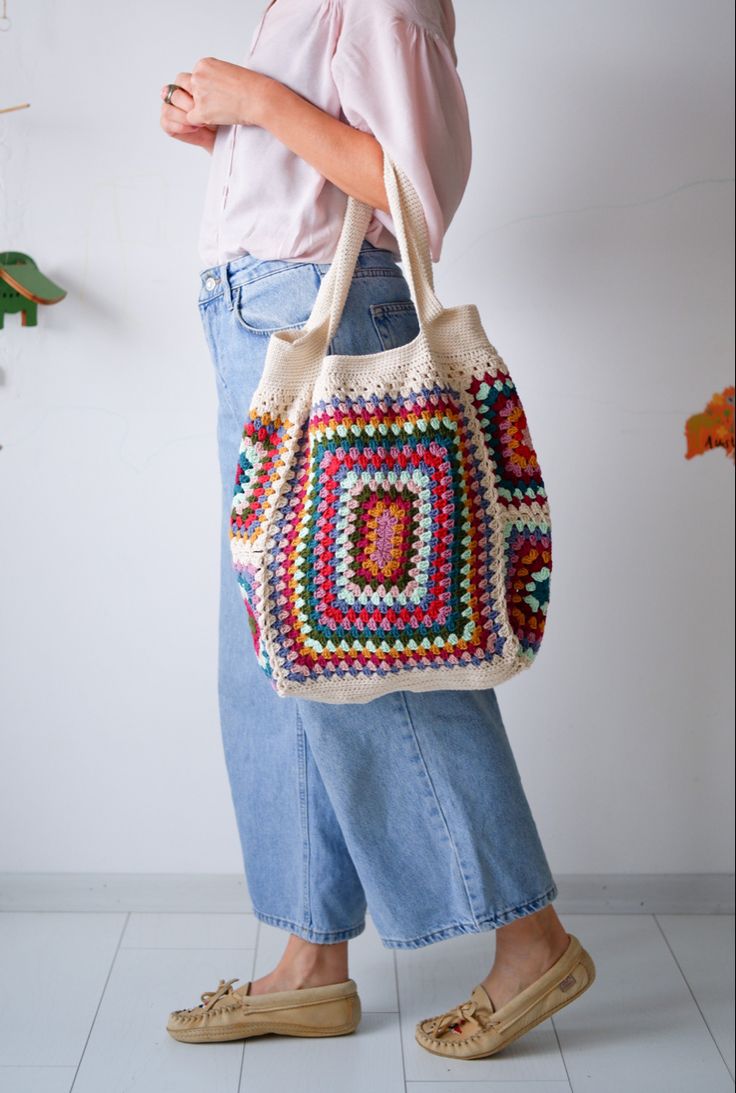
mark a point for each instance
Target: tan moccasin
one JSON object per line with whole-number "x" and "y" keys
{"x": 475, "y": 1029}
{"x": 227, "y": 1014}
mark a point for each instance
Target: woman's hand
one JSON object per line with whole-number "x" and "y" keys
{"x": 174, "y": 116}
{"x": 226, "y": 94}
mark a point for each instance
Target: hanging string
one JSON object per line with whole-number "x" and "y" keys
{"x": 5, "y": 24}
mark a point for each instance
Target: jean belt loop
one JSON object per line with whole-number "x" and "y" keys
{"x": 227, "y": 292}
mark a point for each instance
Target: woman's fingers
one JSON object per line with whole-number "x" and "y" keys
{"x": 174, "y": 124}
{"x": 182, "y": 100}
{"x": 182, "y": 96}
{"x": 184, "y": 79}
{"x": 174, "y": 113}
{"x": 174, "y": 120}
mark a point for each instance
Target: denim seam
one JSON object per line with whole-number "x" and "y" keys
{"x": 377, "y": 271}
{"x": 439, "y": 806}
{"x": 228, "y": 396}
{"x": 202, "y": 301}
{"x": 266, "y": 332}
{"x": 275, "y": 920}
{"x": 360, "y": 271}
{"x": 235, "y": 283}
{"x": 233, "y": 411}
{"x": 303, "y": 815}
{"x": 500, "y": 918}
{"x": 227, "y": 291}
{"x": 391, "y": 305}
{"x": 363, "y": 271}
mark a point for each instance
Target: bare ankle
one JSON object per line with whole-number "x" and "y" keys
{"x": 531, "y": 940}
{"x": 305, "y": 964}
{"x": 540, "y": 927}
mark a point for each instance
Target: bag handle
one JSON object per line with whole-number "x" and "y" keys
{"x": 413, "y": 239}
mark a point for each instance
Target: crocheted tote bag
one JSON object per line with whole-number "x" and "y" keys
{"x": 389, "y": 529}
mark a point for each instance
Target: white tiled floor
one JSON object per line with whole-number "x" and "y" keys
{"x": 658, "y": 1019}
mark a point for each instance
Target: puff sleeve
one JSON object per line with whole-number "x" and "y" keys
{"x": 395, "y": 71}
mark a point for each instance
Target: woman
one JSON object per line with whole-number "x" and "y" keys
{"x": 411, "y": 804}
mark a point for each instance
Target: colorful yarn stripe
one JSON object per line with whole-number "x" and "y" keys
{"x": 410, "y": 531}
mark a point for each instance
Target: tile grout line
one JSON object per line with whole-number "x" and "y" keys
{"x": 99, "y": 1004}
{"x": 562, "y": 1054}
{"x": 241, "y": 1087}
{"x": 90, "y": 909}
{"x": 187, "y": 893}
{"x": 188, "y": 948}
{"x": 400, "y": 1018}
{"x": 692, "y": 995}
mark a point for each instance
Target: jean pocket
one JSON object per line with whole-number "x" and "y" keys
{"x": 396, "y": 322}
{"x": 282, "y": 300}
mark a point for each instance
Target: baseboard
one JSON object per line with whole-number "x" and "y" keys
{"x": 225, "y": 893}
{"x": 198, "y": 892}
{"x": 646, "y": 893}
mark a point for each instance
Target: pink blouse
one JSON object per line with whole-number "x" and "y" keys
{"x": 387, "y": 67}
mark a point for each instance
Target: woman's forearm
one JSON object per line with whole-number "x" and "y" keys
{"x": 353, "y": 160}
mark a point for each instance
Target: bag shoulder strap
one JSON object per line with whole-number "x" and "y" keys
{"x": 412, "y": 237}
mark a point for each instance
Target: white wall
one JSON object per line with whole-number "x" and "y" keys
{"x": 596, "y": 237}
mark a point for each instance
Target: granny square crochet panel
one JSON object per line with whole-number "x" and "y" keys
{"x": 396, "y": 538}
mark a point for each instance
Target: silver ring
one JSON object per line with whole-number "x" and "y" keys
{"x": 172, "y": 88}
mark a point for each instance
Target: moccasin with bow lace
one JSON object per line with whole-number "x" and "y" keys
{"x": 475, "y": 1029}
{"x": 235, "y": 1014}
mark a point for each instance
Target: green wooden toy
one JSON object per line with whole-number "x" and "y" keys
{"x": 23, "y": 287}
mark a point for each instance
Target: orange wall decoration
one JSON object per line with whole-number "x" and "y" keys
{"x": 713, "y": 428}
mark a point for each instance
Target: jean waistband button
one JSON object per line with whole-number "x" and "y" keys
{"x": 210, "y": 283}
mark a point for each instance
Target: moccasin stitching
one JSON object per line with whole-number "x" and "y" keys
{"x": 204, "y": 1014}
{"x": 500, "y": 1027}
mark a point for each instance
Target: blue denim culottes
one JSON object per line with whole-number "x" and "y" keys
{"x": 410, "y": 806}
